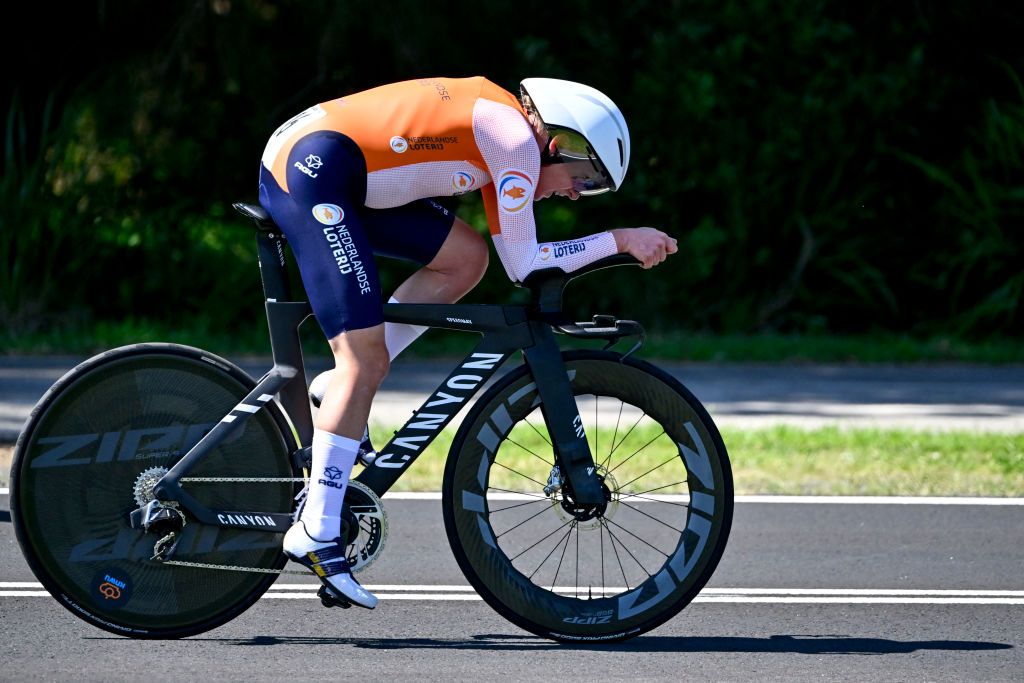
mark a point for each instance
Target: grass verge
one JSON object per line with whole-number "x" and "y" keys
{"x": 791, "y": 461}
{"x": 786, "y": 461}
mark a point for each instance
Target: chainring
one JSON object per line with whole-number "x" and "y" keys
{"x": 364, "y": 525}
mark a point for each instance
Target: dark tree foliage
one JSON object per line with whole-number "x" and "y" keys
{"x": 826, "y": 166}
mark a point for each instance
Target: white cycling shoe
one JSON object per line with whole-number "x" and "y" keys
{"x": 327, "y": 560}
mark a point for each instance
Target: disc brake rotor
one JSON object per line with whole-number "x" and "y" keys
{"x": 590, "y": 517}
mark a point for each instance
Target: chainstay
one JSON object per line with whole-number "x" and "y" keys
{"x": 233, "y": 568}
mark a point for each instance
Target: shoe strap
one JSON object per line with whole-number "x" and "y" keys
{"x": 332, "y": 553}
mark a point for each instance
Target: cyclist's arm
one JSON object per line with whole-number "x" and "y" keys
{"x": 509, "y": 149}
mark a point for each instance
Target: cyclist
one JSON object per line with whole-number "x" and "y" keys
{"x": 353, "y": 177}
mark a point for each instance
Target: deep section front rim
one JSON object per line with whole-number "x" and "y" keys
{"x": 609, "y": 573}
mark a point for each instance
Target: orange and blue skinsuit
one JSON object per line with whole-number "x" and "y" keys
{"x": 353, "y": 177}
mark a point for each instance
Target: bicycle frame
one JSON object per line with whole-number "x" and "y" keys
{"x": 505, "y": 329}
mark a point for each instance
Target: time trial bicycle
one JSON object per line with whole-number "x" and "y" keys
{"x": 587, "y": 495}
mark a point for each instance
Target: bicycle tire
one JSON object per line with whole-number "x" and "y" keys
{"x": 74, "y": 470}
{"x": 492, "y": 491}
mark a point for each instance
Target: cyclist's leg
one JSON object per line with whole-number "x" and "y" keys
{"x": 453, "y": 256}
{"x": 453, "y": 259}
{"x": 320, "y": 216}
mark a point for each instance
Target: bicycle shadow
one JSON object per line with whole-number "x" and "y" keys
{"x": 776, "y": 644}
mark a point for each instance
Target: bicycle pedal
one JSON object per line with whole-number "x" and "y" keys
{"x": 329, "y": 599}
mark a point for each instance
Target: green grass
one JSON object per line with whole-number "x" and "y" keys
{"x": 779, "y": 460}
{"x": 83, "y": 337}
{"x": 792, "y": 461}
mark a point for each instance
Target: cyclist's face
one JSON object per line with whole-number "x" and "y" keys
{"x": 555, "y": 179}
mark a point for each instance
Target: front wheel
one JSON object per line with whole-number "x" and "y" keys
{"x": 585, "y": 573}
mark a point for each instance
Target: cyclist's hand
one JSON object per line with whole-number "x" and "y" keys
{"x": 647, "y": 245}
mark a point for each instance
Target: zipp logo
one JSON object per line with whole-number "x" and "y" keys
{"x": 134, "y": 444}
{"x": 589, "y": 620}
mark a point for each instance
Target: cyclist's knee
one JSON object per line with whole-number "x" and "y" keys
{"x": 463, "y": 257}
{"x": 477, "y": 256}
{"x": 361, "y": 355}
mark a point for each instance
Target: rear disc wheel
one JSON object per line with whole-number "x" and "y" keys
{"x": 93, "y": 448}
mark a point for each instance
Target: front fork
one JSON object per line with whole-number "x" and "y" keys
{"x": 558, "y": 404}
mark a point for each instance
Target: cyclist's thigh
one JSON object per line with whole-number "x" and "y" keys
{"x": 322, "y": 217}
{"x": 414, "y": 232}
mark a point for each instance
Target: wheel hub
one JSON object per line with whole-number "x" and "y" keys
{"x": 590, "y": 516}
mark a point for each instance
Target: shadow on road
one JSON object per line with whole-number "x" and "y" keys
{"x": 783, "y": 644}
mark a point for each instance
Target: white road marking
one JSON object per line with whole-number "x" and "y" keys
{"x": 838, "y": 596}
{"x": 801, "y": 500}
{"x": 805, "y": 500}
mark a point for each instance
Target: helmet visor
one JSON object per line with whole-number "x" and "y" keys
{"x": 589, "y": 175}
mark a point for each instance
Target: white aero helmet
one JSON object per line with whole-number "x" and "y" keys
{"x": 589, "y": 131}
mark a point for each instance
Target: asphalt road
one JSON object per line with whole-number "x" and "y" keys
{"x": 812, "y": 591}
{"x": 925, "y": 397}
{"x": 804, "y": 591}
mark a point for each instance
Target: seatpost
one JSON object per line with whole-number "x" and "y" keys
{"x": 284, "y": 317}
{"x": 270, "y": 249}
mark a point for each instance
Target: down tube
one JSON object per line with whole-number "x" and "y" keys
{"x": 431, "y": 417}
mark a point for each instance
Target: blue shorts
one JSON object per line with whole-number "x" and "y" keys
{"x": 334, "y": 235}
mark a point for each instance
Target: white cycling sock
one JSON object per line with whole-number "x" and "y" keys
{"x": 333, "y": 457}
{"x": 398, "y": 336}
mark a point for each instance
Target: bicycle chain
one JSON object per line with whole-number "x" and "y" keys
{"x": 234, "y": 568}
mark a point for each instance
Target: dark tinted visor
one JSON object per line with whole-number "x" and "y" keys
{"x": 589, "y": 175}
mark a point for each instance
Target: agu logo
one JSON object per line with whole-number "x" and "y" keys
{"x": 399, "y": 144}
{"x": 462, "y": 182}
{"x": 515, "y": 190}
{"x": 328, "y": 214}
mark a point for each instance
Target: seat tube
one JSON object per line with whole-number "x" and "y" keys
{"x": 562, "y": 416}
